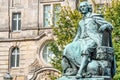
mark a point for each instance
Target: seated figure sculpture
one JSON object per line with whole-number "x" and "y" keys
{"x": 91, "y": 53}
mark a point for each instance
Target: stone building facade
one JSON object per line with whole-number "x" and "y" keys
{"x": 24, "y": 35}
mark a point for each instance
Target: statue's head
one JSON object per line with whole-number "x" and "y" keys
{"x": 85, "y": 7}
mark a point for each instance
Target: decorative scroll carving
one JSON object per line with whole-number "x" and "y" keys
{"x": 45, "y": 73}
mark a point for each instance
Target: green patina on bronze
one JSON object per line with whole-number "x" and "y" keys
{"x": 90, "y": 55}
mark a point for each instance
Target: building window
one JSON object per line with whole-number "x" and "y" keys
{"x": 56, "y": 11}
{"x": 47, "y": 54}
{"x": 15, "y": 57}
{"x": 16, "y": 21}
{"x": 16, "y": 2}
{"x": 51, "y": 14}
{"x": 47, "y": 18}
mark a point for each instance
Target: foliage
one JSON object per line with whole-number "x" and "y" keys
{"x": 52, "y": 77}
{"x": 112, "y": 14}
{"x": 64, "y": 33}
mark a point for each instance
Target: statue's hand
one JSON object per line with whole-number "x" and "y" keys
{"x": 105, "y": 27}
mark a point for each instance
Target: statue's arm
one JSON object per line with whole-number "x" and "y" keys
{"x": 77, "y": 35}
{"x": 104, "y": 25}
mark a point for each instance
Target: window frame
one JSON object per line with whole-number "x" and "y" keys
{"x": 44, "y": 15}
{"x": 51, "y": 14}
{"x": 48, "y": 52}
{"x": 16, "y": 3}
{"x": 16, "y": 53}
{"x": 16, "y": 28}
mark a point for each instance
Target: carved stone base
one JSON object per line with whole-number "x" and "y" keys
{"x": 73, "y": 78}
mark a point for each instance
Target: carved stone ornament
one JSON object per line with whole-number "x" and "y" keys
{"x": 45, "y": 73}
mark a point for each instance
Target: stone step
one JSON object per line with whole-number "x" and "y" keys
{"x": 73, "y": 78}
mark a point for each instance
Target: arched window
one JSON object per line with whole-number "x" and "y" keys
{"x": 15, "y": 57}
{"x": 47, "y": 54}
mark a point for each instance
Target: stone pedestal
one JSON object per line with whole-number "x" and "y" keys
{"x": 95, "y": 78}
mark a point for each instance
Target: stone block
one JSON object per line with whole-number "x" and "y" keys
{"x": 73, "y": 78}
{"x": 3, "y": 35}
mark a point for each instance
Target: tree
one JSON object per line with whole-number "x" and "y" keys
{"x": 64, "y": 32}
{"x": 112, "y": 14}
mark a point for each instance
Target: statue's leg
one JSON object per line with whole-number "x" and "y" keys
{"x": 74, "y": 69}
{"x": 65, "y": 65}
{"x": 84, "y": 63}
{"x": 69, "y": 68}
{"x": 68, "y": 65}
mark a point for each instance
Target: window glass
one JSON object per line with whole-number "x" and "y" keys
{"x": 17, "y": 65}
{"x": 16, "y": 2}
{"x": 14, "y": 24}
{"x": 13, "y": 61}
{"x": 16, "y": 21}
{"x": 47, "y": 54}
{"x": 15, "y": 57}
{"x": 19, "y": 24}
{"x": 56, "y": 11}
{"x": 47, "y": 13}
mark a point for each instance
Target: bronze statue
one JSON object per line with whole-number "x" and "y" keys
{"x": 91, "y": 54}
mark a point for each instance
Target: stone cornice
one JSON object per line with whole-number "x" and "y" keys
{"x": 5, "y": 29}
{"x": 42, "y": 34}
{"x": 29, "y": 28}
